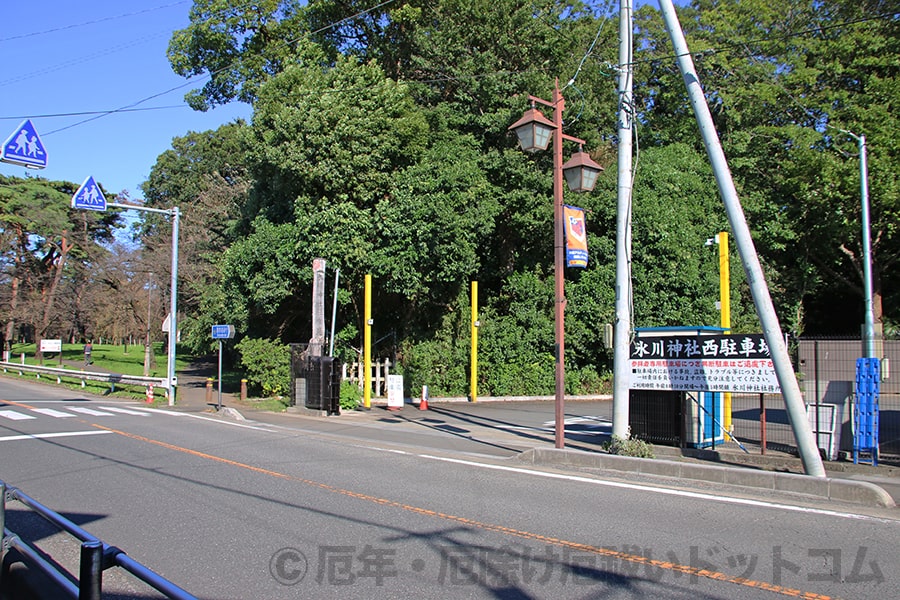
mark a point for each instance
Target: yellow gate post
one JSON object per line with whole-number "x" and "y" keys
{"x": 725, "y": 310}
{"x": 367, "y": 344}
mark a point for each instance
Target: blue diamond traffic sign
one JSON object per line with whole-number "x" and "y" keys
{"x": 89, "y": 196}
{"x": 24, "y": 147}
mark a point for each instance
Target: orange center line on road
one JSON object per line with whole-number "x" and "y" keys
{"x": 607, "y": 552}
{"x": 19, "y": 404}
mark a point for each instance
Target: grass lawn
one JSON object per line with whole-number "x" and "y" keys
{"x": 106, "y": 357}
{"x": 128, "y": 360}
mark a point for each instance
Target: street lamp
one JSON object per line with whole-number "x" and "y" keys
{"x": 535, "y": 131}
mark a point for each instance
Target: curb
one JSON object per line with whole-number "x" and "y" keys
{"x": 841, "y": 490}
{"x": 231, "y": 413}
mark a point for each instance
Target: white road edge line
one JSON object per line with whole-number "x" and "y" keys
{"x": 59, "y": 434}
{"x": 202, "y": 418}
{"x": 650, "y": 488}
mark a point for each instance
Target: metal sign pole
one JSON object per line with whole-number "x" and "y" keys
{"x": 219, "y": 407}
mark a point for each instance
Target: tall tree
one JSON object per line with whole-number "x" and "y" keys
{"x": 239, "y": 45}
{"x": 784, "y": 82}
{"x": 206, "y": 175}
{"x": 41, "y": 235}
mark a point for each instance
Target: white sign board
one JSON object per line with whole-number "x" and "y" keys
{"x": 51, "y": 345}
{"x": 707, "y": 363}
{"x": 395, "y": 391}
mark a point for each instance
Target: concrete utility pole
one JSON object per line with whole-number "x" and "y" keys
{"x": 809, "y": 454}
{"x": 622, "y": 327}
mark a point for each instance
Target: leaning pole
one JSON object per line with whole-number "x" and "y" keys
{"x": 812, "y": 462}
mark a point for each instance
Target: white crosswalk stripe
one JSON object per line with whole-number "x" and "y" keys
{"x": 15, "y": 416}
{"x": 51, "y": 412}
{"x": 125, "y": 411}
{"x": 64, "y": 411}
{"x": 89, "y": 411}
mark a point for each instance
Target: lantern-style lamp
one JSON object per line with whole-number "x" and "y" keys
{"x": 534, "y": 130}
{"x": 581, "y": 172}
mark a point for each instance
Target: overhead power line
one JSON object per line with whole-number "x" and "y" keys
{"x": 94, "y": 22}
{"x": 90, "y": 112}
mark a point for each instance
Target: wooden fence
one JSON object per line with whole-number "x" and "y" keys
{"x": 380, "y": 370}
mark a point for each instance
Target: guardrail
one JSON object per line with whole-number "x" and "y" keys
{"x": 111, "y": 378}
{"x": 96, "y": 556}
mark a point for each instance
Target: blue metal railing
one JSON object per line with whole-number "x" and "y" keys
{"x": 96, "y": 556}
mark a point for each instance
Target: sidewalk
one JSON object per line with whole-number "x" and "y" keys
{"x": 191, "y": 393}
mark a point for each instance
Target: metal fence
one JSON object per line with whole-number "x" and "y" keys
{"x": 95, "y": 557}
{"x": 111, "y": 378}
{"x": 827, "y": 372}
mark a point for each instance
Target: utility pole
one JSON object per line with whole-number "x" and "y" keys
{"x": 869, "y": 327}
{"x": 622, "y": 326}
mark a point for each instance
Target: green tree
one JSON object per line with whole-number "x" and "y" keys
{"x": 238, "y": 45}
{"x": 206, "y": 175}
{"x": 47, "y": 249}
{"x": 784, "y": 83}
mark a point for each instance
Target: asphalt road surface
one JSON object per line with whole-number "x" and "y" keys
{"x": 238, "y": 510}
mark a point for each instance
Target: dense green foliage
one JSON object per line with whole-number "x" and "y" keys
{"x": 267, "y": 365}
{"x": 379, "y": 142}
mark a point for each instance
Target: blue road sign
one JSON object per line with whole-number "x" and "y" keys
{"x": 222, "y": 332}
{"x": 24, "y": 147}
{"x": 89, "y": 196}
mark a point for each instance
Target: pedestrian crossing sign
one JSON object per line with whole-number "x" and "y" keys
{"x": 89, "y": 196}
{"x": 24, "y": 147}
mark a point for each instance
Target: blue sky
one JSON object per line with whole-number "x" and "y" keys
{"x": 64, "y": 56}
{"x": 59, "y": 57}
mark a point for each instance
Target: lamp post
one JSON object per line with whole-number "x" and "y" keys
{"x": 535, "y": 131}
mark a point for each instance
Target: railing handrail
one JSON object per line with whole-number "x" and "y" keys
{"x": 108, "y": 557}
{"x": 111, "y": 378}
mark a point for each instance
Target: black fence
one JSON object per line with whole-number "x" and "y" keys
{"x": 827, "y": 372}
{"x": 55, "y": 581}
{"x": 315, "y": 381}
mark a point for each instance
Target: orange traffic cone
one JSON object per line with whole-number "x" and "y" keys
{"x": 423, "y": 403}
{"x": 150, "y": 394}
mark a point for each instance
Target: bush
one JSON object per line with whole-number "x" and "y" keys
{"x": 629, "y": 447}
{"x": 351, "y": 396}
{"x": 267, "y": 364}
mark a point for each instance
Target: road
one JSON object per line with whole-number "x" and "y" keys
{"x": 236, "y": 510}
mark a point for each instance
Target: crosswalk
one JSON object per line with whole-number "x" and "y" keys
{"x": 20, "y": 413}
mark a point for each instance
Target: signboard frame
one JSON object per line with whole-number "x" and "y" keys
{"x": 51, "y": 346}
{"x": 703, "y": 363}
{"x": 222, "y": 332}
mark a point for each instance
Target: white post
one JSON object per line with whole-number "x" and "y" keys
{"x": 173, "y": 309}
